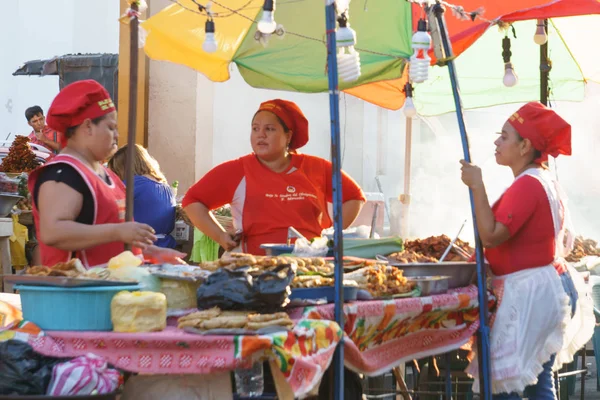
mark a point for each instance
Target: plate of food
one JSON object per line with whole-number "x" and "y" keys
{"x": 69, "y": 274}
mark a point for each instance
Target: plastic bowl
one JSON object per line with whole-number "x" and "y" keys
{"x": 69, "y": 309}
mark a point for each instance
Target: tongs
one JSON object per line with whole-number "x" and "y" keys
{"x": 452, "y": 243}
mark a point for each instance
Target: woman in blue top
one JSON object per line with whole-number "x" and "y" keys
{"x": 153, "y": 200}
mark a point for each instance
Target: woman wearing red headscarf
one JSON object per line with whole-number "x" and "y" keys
{"x": 525, "y": 235}
{"x": 78, "y": 204}
{"x": 272, "y": 188}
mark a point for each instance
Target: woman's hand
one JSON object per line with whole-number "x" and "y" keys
{"x": 136, "y": 234}
{"x": 160, "y": 255}
{"x": 471, "y": 175}
{"x": 227, "y": 242}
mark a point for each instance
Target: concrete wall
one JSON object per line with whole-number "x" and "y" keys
{"x": 40, "y": 29}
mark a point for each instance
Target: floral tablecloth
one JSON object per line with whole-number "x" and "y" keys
{"x": 383, "y": 334}
{"x": 303, "y": 354}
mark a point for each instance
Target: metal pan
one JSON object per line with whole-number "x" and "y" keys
{"x": 60, "y": 281}
{"x": 431, "y": 285}
{"x": 461, "y": 273}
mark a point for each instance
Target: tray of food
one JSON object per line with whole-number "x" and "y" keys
{"x": 382, "y": 281}
{"x": 215, "y": 320}
{"x": 178, "y": 272}
{"x": 61, "y": 281}
{"x": 69, "y": 274}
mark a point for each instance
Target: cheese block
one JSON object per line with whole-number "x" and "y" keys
{"x": 181, "y": 295}
{"x": 138, "y": 311}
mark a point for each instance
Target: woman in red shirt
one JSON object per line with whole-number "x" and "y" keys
{"x": 524, "y": 238}
{"x": 78, "y": 204}
{"x": 273, "y": 188}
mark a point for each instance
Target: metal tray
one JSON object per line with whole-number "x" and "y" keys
{"x": 461, "y": 273}
{"x": 236, "y": 332}
{"x": 61, "y": 281}
{"x": 431, "y": 285}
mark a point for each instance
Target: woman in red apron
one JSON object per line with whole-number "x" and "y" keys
{"x": 273, "y": 188}
{"x": 526, "y": 235}
{"x": 78, "y": 204}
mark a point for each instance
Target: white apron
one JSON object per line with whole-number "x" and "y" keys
{"x": 533, "y": 317}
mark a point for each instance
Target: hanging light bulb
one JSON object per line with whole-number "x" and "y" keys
{"x": 510, "y": 76}
{"x": 409, "y": 105}
{"x": 348, "y": 59}
{"x": 267, "y": 24}
{"x": 210, "y": 43}
{"x": 420, "y": 60}
{"x": 540, "y": 36}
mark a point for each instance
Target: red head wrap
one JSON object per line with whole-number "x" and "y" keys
{"x": 77, "y": 102}
{"x": 292, "y": 117}
{"x": 547, "y": 131}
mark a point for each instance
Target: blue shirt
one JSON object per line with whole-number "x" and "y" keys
{"x": 154, "y": 204}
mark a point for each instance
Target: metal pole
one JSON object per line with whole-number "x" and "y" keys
{"x": 544, "y": 69}
{"x": 483, "y": 342}
{"x": 131, "y": 127}
{"x": 334, "y": 109}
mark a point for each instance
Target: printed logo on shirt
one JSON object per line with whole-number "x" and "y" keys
{"x": 121, "y": 207}
{"x": 291, "y": 189}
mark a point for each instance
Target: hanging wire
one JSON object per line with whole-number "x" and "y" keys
{"x": 239, "y": 10}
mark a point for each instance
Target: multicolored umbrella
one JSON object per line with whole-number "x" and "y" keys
{"x": 297, "y": 61}
{"x": 573, "y": 65}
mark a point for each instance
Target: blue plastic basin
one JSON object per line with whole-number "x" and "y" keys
{"x": 70, "y": 309}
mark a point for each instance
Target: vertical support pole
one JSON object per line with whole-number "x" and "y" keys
{"x": 544, "y": 69}
{"x": 334, "y": 108}
{"x": 131, "y": 128}
{"x": 483, "y": 342}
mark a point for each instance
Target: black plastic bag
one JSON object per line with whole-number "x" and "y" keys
{"x": 242, "y": 289}
{"x": 22, "y": 370}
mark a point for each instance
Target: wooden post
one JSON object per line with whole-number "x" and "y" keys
{"x": 141, "y": 133}
{"x": 405, "y": 197}
{"x": 131, "y": 131}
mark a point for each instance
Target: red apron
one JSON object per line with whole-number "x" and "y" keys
{"x": 275, "y": 201}
{"x": 109, "y": 208}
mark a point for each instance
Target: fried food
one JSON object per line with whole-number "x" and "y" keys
{"x": 266, "y": 317}
{"x": 311, "y": 281}
{"x": 409, "y": 257}
{"x": 435, "y": 246}
{"x": 583, "y": 248}
{"x": 38, "y": 271}
{"x": 214, "y": 318}
{"x": 200, "y": 315}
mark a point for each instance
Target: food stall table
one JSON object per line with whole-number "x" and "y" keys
{"x": 302, "y": 355}
{"x": 383, "y": 334}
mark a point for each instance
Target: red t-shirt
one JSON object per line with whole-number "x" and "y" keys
{"x": 49, "y": 134}
{"x": 265, "y": 203}
{"x": 525, "y": 210}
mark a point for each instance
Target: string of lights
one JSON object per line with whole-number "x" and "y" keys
{"x": 239, "y": 13}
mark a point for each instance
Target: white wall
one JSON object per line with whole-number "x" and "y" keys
{"x": 42, "y": 29}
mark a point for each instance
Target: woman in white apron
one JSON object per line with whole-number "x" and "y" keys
{"x": 525, "y": 235}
